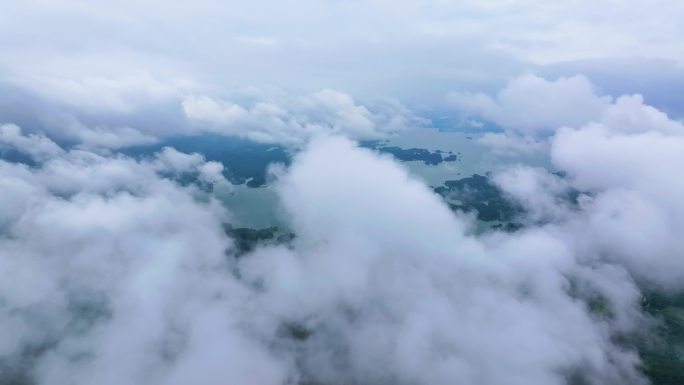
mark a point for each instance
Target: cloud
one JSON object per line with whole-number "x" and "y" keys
{"x": 104, "y": 93}
{"x": 169, "y": 159}
{"x": 532, "y": 111}
{"x": 265, "y": 115}
{"x": 120, "y": 273}
{"x": 636, "y": 211}
{"x": 175, "y": 163}
{"x": 103, "y": 137}
{"x": 83, "y": 127}
{"x": 532, "y": 105}
{"x": 624, "y": 160}
{"x": 118, "y": 270}
{"x": 393, "y": 291}
{"x": 115, "y": 56}
{"x": 38, "y": 147}
{"x": 651, "y": 78}
{"x": 122, "y": 78}
{"x": 293, "y": 121}
{"x": 545, "y": 196}
{"x": 511, "y": 145}
{"x": 629, "y": 114}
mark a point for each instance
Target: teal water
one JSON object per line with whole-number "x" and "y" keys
{"x": 253, "y": 207}
{"x": 260, "y": 208}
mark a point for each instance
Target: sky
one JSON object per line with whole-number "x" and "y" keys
{"x": 120, "y": 69}
{"x": 118, "y": 269}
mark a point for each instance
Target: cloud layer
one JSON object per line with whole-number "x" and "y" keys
{"x": 118, "y": 270}
{"x": 294, "y": 121}
{"x": 119, "y": 273}
{"x": 130, "y": 56}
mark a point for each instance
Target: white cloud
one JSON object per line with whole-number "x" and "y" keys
{"x": 37, "y": 146}
{"x": 115, "y": 56}
{"x": 542, "y": 194}
{"x": 212, "y": 172}
{"x": 104, "y": 93}
{"x": 175, "y": 161}
{"x": 102, "y": 137}
{"x": 127, "y": 67}
{"x": 626, "y": 158}
{"x": 637, "y": 211}
{"x": 293, "y": 121}
{"x": 533, "y": 105}
{"x": 118, "y": 274}
{"x": 629, "y": 114}
{"x": 125, "y": 270}
{"x": 393, "y": 291}
{"x": 205, "y": 108}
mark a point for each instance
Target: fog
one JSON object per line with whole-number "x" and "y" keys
{"x": 116, "y": 273}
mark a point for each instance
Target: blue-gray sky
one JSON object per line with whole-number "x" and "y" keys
{"x": 113, "y": 55}
{"x": 126, "y": 69}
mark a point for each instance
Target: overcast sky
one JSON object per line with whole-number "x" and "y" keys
{"x": 98, "y": 52}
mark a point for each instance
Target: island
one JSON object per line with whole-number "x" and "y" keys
{"x": 477, "y": 194}
{"x": 244, "y": 161}
{"x": 430, "y": 158}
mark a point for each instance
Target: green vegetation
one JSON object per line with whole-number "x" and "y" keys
{"x": 509, "y": 227}
{"x": 246, "y": 239}
{"x": 12, "y": 376}
{"x": 412, "y": 154}
{"x": 477, "y": 194}
{"x": 295, "y": 331}
{"x": 244, "y": 161}
{"x": 663, "y": 358}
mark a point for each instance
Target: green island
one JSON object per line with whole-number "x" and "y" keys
{"x": 430, "y": 158}
{"x": 478, "y": 195}
{"x": 244, "y": 161}
{"x": 247, "y": 239}
{"x": 663, "y": 356}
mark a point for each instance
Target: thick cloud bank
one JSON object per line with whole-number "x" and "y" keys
{"x": 626, "y": 156}
{"x": 261, "y": 115}
{"x": 531, "y": 110}
{"x": 117, "y": 274}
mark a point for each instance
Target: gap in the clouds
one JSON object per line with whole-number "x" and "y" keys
{"x": 443, "y": 159}
{"x": 245, "y": 161}
{"x": 251, "y": 201}
{"x": 663, "y": 356}
{"x": 14, "y": 156}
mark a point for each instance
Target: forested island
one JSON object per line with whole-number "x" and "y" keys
{"x": 430, "y": 158}
{"x": 244, "y": 161}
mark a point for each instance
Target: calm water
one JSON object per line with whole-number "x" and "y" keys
{"x": 259, "y": 207}
{"x": 475, "y": 157}
{"x": 253, "y": 207}
{"x": 471, "y": 154}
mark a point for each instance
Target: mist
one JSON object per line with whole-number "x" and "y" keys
{"x": 118, "y": 273}
{"x": 264, "y": 193}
